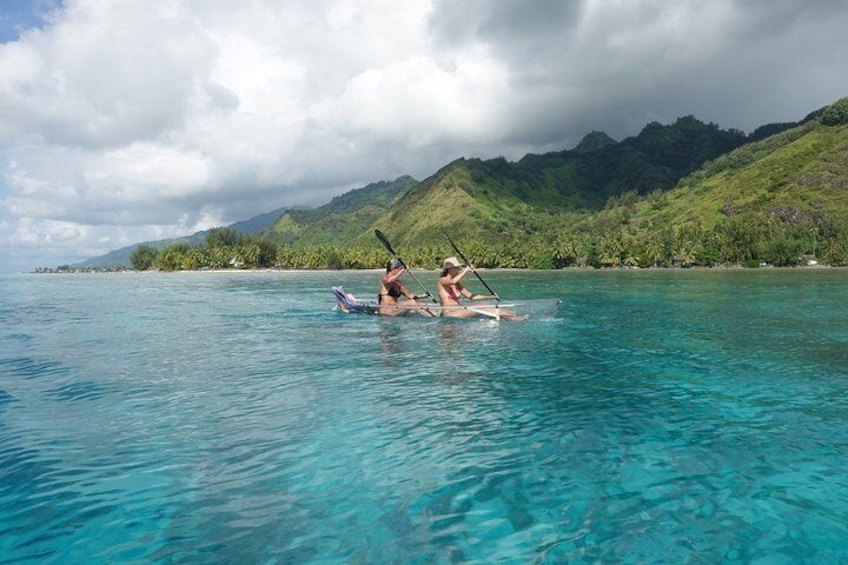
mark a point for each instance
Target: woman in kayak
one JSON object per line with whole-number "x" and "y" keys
{"x": 391, "y": 289}
{"x": 451, "y": 292}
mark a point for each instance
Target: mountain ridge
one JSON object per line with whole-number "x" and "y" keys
{"x": 544, "y": 199}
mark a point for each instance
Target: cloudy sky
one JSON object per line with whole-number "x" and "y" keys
{"x": 130, "y": 120}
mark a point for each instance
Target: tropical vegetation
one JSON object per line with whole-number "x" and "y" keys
{"x": 685, "y": 194}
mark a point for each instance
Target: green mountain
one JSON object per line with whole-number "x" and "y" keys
{"x": 343, "y": 218}
{"x": 503, "y": 201}
{"x": 585, "y": 178}
{"x": 797, "y": 174}
{"x": 688, "y": 193}
{"x": 774, "y": 200}
{"x": 685, "y": 194}
{"x": 594, "y": 141}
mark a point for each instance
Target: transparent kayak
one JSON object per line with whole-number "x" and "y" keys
{"x": 517, "y": 310}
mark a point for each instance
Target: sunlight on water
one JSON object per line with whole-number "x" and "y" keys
{"x": 208, "y": 417}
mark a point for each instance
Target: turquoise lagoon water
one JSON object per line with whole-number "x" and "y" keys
{"x": 659, "y": 417}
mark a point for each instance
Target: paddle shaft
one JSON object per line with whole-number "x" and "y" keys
{"x": 468, "y": 263}
{"x": 385, "y": 241}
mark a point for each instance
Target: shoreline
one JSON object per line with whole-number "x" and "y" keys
{"x": 490, "y": 270}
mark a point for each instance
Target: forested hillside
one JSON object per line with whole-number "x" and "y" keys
{"x": 343, "y": 218}
{"x": 684, "y": 194}
{"x": 499, "y": 200}
{"x": 782, "y": 200}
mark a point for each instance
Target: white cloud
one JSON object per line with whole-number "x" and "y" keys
{"x": 104, "y": 74}
{"x": 131, "y": 120}
{"x": 420, "y": 102}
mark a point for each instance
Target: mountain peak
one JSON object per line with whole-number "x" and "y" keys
{"x": 593, "y": 141}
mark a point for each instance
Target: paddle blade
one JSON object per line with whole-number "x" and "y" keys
{"x": 384, "y": 240}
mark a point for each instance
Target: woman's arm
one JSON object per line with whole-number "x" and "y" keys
{"x": 471, "y": 296}
{"x": 409, "y": 294}
{"x": 389, "y": 278}
{"x": 457, "y": 278}
{"x": 481, "y": 296}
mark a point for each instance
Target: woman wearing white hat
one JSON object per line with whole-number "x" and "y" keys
{"x": 451, "y": 291}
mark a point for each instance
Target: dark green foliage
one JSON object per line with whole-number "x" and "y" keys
{"x": 142, "y": 258}
{"x": 836, "y": 114}
{"x": 599, "y": 168}
{"x": 224, "y": 237}
{"x": 687, "y": 144}
{"x": 594, "y": 141}
{"x": 343, "y": 218}
{"x": 769, "y": 130}
{"x": 173, "y": 257}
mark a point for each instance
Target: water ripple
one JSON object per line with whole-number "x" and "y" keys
{"x": 30, "y": 368}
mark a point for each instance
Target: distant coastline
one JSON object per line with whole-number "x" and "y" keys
{"x": 119, "y": 270}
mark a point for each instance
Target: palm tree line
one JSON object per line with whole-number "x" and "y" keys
{"x": 734, "y": 241}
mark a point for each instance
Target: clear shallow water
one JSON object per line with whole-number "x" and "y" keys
{"x": 663, "y": 417}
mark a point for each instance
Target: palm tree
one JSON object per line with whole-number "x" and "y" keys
{"x": 653, "y": 251}
{"x": 565, "y": 251}
{"x": 142, "y": 257}
{"x": 611, "y": 251}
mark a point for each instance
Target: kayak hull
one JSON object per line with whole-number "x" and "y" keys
{"x": 348, "y": 304}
